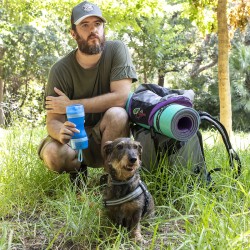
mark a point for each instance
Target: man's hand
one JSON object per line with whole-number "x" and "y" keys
{"x": 57, "y": 105}
{"x": 67, "y": 131}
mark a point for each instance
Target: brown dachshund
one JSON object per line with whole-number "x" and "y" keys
{"x": 125, "y": 196}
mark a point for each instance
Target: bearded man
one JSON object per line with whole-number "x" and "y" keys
{"x": 97, "y": 74}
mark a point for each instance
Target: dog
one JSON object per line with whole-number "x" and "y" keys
{"x": 126, "y": 197}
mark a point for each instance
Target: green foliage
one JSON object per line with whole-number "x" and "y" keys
{"x": 240, "y": 79}
{"x": 202, "y": 13}
{"x": 162, "y": 36}
{"x": 160, "y": 41}
{"x": 122, "y": 14}
{"x": 19, "y": 11}
{"x": 29, "y": 52}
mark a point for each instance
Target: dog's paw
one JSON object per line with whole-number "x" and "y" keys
{"x": 138, "y": 238}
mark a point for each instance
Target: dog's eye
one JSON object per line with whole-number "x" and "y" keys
{"x": 135, "y": 146}
{"x": 119, "y": 146}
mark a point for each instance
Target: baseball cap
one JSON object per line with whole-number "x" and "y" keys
{"x": 84, "y": 10}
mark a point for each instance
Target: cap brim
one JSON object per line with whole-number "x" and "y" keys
{"x": 84, "y": 17}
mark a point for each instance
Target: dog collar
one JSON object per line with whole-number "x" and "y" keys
{"x": 138, "y": 191}
{"x": 117, "y": 183}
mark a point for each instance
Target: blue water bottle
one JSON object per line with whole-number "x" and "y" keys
{"x": 79, "y": 141}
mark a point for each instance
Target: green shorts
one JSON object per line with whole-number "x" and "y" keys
{"x": 92, "y": 155}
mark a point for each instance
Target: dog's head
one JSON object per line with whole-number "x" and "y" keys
{"x": 122, "y": 157}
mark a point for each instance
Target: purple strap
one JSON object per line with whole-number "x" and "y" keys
{"x": 181, "y": 100}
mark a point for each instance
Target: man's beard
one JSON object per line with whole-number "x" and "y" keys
{"x": 93, "y": 49}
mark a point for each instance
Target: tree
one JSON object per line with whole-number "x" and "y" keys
{"x": 32, "y": 41}
{"x": 239, "y": 13}
{"x": 159, "y": 37}
{"x": 223, "y": 66}
{"x": 132, "y": 22}
{"x": 207, "y": 55}
{"x": 162, "y": 51}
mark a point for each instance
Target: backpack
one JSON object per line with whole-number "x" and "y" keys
{"x": 164, "y": 122}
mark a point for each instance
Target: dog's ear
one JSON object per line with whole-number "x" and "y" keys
{"x": 139, "y": 149}
{"x": 107, "y": 149}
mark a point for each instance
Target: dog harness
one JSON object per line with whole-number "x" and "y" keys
{"x": 131, "y": 196}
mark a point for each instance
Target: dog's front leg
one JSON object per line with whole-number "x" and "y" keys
{"x": 136, "y": 234}
{"x": 135, "y": 227}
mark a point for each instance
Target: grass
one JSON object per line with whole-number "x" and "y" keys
{"x": 40, "y": 209}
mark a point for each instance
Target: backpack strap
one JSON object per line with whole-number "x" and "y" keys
{"x": 233, "y": 156}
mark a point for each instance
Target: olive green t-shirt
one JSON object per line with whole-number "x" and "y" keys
{"x": 79, "y": 83}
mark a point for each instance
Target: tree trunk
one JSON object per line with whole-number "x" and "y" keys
{"x": 223, "y": 67}
{"x": 1, "y": 87}
{"x": 160, "y": 78}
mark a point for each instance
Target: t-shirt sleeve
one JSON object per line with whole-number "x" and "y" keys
{"x": 57, "y": 79}
{"x": 122, "y": 66}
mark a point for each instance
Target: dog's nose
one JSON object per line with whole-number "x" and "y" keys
{"x": 132, "y": 159}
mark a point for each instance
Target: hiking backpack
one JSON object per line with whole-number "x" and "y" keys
{"x": 165, "y": 123}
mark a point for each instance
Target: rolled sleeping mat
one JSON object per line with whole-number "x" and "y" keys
{"x": 177, "y": 122}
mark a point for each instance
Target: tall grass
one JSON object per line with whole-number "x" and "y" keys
{"x": 40, "y": 209}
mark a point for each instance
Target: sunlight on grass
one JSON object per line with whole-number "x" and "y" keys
{"x": 239, "y": 141}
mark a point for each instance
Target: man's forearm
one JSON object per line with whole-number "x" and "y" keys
{"x": 102, "y": 103}
{"x": 117, "y": 97}
{"x": 54, "y": 123}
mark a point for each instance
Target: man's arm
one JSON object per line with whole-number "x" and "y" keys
{"x": 62, "y": 130}
{"x": 119, "y": 91}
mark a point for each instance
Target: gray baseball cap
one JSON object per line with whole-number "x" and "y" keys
{"x": 84, "y": 10}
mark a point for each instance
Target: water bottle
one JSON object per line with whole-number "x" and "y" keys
{"x": 79, "y": 141}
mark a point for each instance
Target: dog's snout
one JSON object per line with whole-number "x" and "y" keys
{"x": 132, "y": 159}
{"x": 132, "y": 156}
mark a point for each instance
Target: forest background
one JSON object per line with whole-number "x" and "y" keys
{"x": 173, "y": 43}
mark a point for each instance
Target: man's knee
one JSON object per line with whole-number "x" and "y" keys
{"x": 58, "y": 158}
{"x": 116, "y": 114}
{"x": 116, "y": 118}
{"x": 114, "y": 124}
{"x": 51, "y": 158}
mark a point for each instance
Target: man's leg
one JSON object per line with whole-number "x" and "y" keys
{"x": 115, "y": 124}
{"x": 58, "y": 157}
{"x": 62, "y": 158}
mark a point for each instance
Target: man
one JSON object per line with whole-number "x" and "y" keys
{"x": 98, "y": 75}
